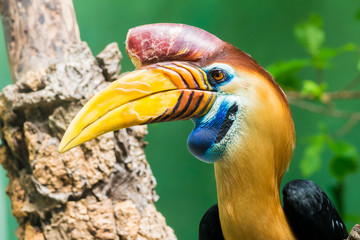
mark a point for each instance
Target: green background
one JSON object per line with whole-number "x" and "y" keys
{"x": 261, "y": 28}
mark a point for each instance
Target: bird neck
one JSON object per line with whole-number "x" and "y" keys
{"x": 248, "y": 198}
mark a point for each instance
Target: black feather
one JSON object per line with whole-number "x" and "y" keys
{"x": 210, "y": 228}
{"x": 311, "y": 213}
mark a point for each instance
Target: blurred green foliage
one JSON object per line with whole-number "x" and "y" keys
{"x": 311, "y": 35}
{"x": 344, "y": 158}
{"x": 311, "y": 161}
{"x": 307, "y": 55}
{"x": 313, "y": 89}
{"x": 343, "y": 161}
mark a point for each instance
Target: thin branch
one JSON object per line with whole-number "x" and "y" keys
{"x": 303, "y": 101}
{"x": 321, "y": 109}
{"x": 319, "y": 75}
{"x": 350, "y": 124}
{"x": 342, "y": 95}
{"x": 353, "y": 83}
{"x": 327, "y": 96}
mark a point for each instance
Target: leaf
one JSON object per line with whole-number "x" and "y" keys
{"x": 340, "y": 166}
{"x": 311, "y": 161}
{"x": 342, "y": 148}
{"x": 285, "y": 72}
{"x": 345, "y": 160}
{"x": 358, "y": 65}
{"x": 349, "y": 47}
{"x": 310, "y": 34}
{"x": 314, "y": 89}
{"x": 322, "y": 59}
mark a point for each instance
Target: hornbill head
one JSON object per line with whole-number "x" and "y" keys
{"x": 183, "y": 72}
{"x": 242, "y": 118}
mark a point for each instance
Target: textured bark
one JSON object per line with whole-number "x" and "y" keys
{"x": 354, "y": 233}
{"x": 103, "y": 189}
{"x": 37, "y": 32}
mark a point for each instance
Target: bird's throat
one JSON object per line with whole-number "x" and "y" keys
{"x": 248, "y": 196}
{"x": 208, "y": 140}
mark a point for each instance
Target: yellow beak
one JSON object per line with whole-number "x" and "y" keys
{"x": 160, "y": 92}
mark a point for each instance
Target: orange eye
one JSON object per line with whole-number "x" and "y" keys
{"x": 218, "y": 75}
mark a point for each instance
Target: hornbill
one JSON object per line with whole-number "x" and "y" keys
{"x": 243, "y": 125}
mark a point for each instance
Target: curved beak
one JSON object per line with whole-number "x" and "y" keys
{"x": 158, "y": 93}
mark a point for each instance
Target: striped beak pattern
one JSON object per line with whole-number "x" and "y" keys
{"x": 159, "y": 92}
{"x": 195, "y": 92}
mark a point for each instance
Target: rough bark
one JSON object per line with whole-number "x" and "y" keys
{"x": 103, "y": 189}
{"x": 37, "y": 32}
{"x": 354, "y": 233}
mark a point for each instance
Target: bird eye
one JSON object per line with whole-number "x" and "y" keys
{"x": 217, "y": 75}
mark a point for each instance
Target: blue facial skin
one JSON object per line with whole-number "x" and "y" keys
{"x": 202, "y": 140}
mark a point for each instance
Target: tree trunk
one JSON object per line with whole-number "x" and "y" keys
{"x": 103, "y": 189}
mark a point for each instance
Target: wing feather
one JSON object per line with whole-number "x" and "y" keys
{"x": 310, "y": 212}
